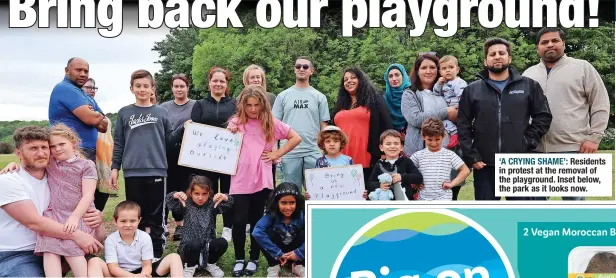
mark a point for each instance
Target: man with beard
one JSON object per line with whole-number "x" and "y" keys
{"x": 24, "y": 195}
{"x": 304, "y": 109}
{"x": 494, "y": 116}
{"x": 70, "y": 105}
{"x": 577, "y": 95}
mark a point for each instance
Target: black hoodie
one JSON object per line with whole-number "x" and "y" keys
{"x": 411, "y": 176}
{"x": 490, "y": 121}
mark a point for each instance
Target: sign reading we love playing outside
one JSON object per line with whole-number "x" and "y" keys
{"x": 210, "y": 148}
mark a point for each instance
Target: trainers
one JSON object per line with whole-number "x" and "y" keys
{"x": 273, "y": 271}
{"x": 189, "y": 272}
{"x": 227, "y": 233}
{"x": 214, "y": 270}
{"x": 155, "y": 260}
{"x": 298, "y": 270}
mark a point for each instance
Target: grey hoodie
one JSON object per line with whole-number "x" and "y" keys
{"x": 416, "y": 108}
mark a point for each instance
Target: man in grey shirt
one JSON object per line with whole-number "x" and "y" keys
{"x": 304, "y": 109}
{"x": 180, "y": 109}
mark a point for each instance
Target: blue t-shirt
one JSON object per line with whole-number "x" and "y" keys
{"x": 326, "y": 162}
{"x": 499, "y": 84}
{"x": 66, "y": 97}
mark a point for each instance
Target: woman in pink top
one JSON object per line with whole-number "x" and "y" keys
{"x": 253, "y": 181}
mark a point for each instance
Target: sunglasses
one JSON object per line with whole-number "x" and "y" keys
{"x": 305, "y": 66}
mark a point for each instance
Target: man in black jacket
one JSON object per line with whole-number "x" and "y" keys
{"x": 494, "y": 116}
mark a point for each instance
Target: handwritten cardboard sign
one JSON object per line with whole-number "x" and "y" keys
{"x": 210, "y": 148}
{"x": 336, "y": 183}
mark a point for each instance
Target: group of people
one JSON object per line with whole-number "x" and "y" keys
{"x": 425, "y": 133}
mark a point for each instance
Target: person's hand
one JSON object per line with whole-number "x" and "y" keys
{"x": 478, "y": 165}
{"x": 290, "y": 256}
{"x": 219, "y": 197}
{"x": 442, "y": 80}
{"x": 71, "y": 224}
{"x": 233, "y": 129}
{"x": 113, "y": 181}
{"x": 452, "y": 113}
{"x": 283, "y": 260}
{"x": 181, "y": 196}
{"x": 11, "y": 167}
{"x": 365, "y": 195}
{"x": 87, "y": 243}
{"x": 589, "y": 147}
{"x": 268, "y": 156}
{"x": 421, "y": 187}
{"x": 385, "y": 186}
{"x": 306, "y": 195}
{"x": 187, "y": 122}
{"x": 396, "y": 178}
{"x": 447, "y": 185}
{"x": 93, "y": 217}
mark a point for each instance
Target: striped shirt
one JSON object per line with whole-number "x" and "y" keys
{"x": 435, "y": 167}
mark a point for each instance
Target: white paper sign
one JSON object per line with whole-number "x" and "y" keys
{"x": 336, "y": 183}
{"x": 210, "y": 148}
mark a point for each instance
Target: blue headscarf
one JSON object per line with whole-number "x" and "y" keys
{"x": 393, "y": 96}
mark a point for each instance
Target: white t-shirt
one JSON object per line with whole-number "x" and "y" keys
{"x": 14, "y": 187}
{"x": 129, "y": 257}
{"x": 435, "y": 167}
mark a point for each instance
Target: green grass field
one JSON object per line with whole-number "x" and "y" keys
{"x": 228, "y": 259}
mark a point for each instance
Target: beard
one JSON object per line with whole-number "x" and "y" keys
{"x": 498, "y": 69}
{"x": 551, "y": 56}
{"x": 35, "y": 163}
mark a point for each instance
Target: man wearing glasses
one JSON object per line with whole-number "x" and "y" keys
{"x": 304, "y": 109}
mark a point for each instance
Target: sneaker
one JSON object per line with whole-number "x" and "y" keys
{"x": 189, "y": 272}
{"x": 273, "y": 271}
{"x": 227, "y": 233}
{"x": 155, "y": 260}
{"x": 251, "y": 268}
{"x": 214, "y": 270}
{"x": 238, "y": 269}
{"x": 177, "y": 235}
{"x": 298, "y": 270}
{"x": 248, "y": 228}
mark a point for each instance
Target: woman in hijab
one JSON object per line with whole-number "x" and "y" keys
{"x": 396, "y": 81}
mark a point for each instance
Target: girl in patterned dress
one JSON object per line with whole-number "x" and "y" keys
{"x": 72, "y": 182}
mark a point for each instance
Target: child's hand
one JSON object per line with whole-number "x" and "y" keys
{"x": 306, "y": 195}
{"x": 365, "y": 195}
{"x": 71, "y": 224}
{"x": 442, "y": 80}
{"x": 10, "y": 168}
{"x": 219, "y": 197}
{"x": 421, "y": 187}
{"x": 187, "y": 122}
{"x": 182, "y": 197}
{"x": 113, "y": 181}
{"x": 283, "y": 260}
{"x": 385, "y": 186}
{"x": 447, "y": 185}
{"x": 396, "y": 178}
{"x": 233, "y": 129}
{"x": 290, "y": 256}
{"x": 268, "y": 156}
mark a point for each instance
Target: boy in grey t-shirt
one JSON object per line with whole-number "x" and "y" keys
{"x": 435, "y": 163}
{"x": 305, "y": 109}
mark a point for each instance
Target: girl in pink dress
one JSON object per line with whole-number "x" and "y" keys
{"x": 253, "y": 181}
{"x": 72, "y": 182}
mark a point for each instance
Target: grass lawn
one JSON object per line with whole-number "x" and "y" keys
{"x": 228, "y": 259}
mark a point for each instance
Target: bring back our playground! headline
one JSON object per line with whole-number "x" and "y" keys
{"x": 447, "y": 15}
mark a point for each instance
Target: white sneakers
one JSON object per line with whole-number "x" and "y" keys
{"x": 226, "y": 234}
{"x": 189, "y": 272}
{"x": 273, "y": 271}
{"x": 214, "y": 270}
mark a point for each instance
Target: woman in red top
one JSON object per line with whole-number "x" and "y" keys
{"x": 362, "y": 115}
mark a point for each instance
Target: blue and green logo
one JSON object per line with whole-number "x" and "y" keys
{"x": 414, "y": 243}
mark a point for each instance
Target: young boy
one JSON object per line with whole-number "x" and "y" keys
{"x": 436, "y": 163}
{"x": 451, "y": 87}
{"x": 141, "y": 134}
{"x": 401, "y": 168}
{"x": 129, "y": 251}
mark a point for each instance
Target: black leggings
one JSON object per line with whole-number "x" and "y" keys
{"x": 194, "y": 248}
{"x": 248, "y": 209}
{"x": 225, "y": 184}
{"x": 276, "y": 238}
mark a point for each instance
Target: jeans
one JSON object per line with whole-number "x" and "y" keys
{"x": 21, "y": 264}
{"x": 293, "y": 168}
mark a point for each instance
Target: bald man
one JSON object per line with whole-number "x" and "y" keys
{"x": 70, "y": 105}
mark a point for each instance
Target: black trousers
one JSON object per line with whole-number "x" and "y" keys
{"x": 149, "y": 194}
{"x": 194, "y": 248}
{"x": 225, "y": 185}
{"x": 276, "y": 238}
{"x": 485, "y": 186}
{"x": 177, "y": 180}
{"x": 100, "y": 198}
{"x": 248, "y": 209}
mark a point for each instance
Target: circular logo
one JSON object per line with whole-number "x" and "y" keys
{"x": 421, "y": 243}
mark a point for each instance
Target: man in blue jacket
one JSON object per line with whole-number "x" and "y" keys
{"x": 494, "y": 117}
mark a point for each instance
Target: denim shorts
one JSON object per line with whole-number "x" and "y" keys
{"x": 21, "y": 264}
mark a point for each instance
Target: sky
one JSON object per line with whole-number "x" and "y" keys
{"x": 32, "y": 62}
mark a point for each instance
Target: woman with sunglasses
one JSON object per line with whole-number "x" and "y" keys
{"x": 180, "y": 110}
{"x": 362, "y": 115}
